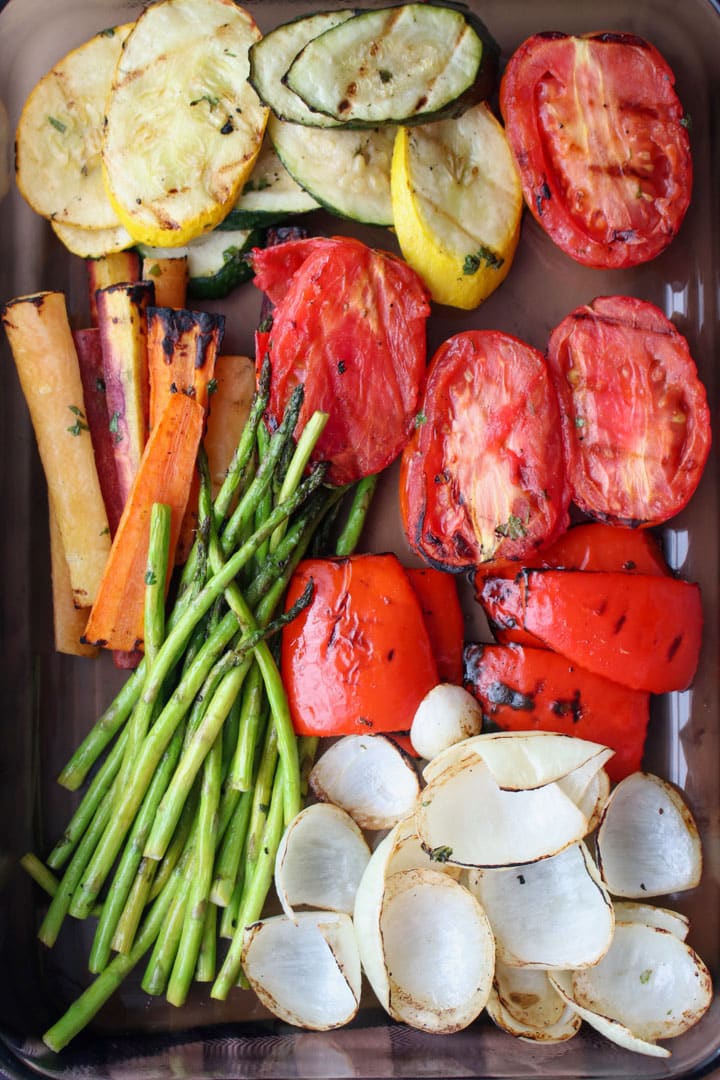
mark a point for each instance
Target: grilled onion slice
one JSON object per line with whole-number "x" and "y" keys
{"x": 647, "y": 841}
{"x": 368, "y": 776}
{"x": 307, "y": 971}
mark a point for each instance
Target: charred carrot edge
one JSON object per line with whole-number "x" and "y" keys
{"x": 123, "y": 334}
{"x": 42, "y": 345}
{"x": 182, "y": 347}
{"x": 170, "y": 278}
{"x": 165, "y": 475}
{"x": 110, "y": 270}
{"x": 69, "y": 622}
{"x": 182, "y": 350}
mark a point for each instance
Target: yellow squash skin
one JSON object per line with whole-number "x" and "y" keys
{"x": 457, "y": 205}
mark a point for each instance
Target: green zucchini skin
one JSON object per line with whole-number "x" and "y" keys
{"x": 217, "y": 262}
{"x": 365, "y": 90}
{"x": 271, "y": 57}
{"x": 270, "y": 196}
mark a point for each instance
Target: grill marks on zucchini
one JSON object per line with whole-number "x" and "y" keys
{"x": 407, "y": 64}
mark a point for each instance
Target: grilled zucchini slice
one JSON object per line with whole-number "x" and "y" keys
{"x": 183, "y": 125}
{"x": 457, "y": 205}
{"x": 269, "y": 196}
{"x": 59, "y": 135}
{"x": 347, "y": 172}
{"x": 216, "y": 262}
{"x": 272, "y": 56}
{"x": 406, "y": 64}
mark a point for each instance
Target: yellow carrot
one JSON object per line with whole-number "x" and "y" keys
{"x": 69, "y": 622}
{"x": 42, "y": 345}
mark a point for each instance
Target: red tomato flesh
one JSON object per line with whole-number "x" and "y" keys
{"x": 358, "y": 659}
{"x": 483, "y": 477}
{"x": 349, "y": 324}
{"x": 598, "y": 135}
{"x": 635, "y": 418}
{"x": 616, "y": 625}
{"x": 525, "y": 689}
{"x": 440, "y": 605}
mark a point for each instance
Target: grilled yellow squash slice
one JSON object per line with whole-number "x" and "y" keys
{"x": 457, "y": 205}
{"x": 183, "y": 125}
{"x": 59, "y": 135}
{"x": 92, "y": 243}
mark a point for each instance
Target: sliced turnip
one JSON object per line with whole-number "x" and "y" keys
{"x": 647, "y": 841}
{"x": 612, "y": 1029}
{"x": 563, "y": 1029}
{"x": 446, "y": 715}
{"x": 320, "y": 861}
{"x": 649, "y": 980}
{"x": 369, "y": 777}
{"x": 306, "y": 972}
{"x": 555, "y": 913}
{"x": 522, "y": 760}
{"x": 673, "y": 921}
{"x": 463, "y": 817}
{"x": 438, "y": 951}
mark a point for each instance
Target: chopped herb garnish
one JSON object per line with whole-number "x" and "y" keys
{"x": 645, "y": 975}
{"x": 579, "y": 422}
{"x": 155, "y": 270}
{"x": 440, "y": 854}
{"x": 212, "y": 387}
{"x": 686, "y": 121}
{"x": 150, "y": 577}
{"x": 483, "y": 255}
{"x": 57, "y": 124}
{"x": 108, "y": 32}
{"x": 513, "y": 528}
{"x": 385, "y": 75}
{"x": 420, "y": 419}
{"x": 79, "y": 425}
{"x": 210, "y": 98}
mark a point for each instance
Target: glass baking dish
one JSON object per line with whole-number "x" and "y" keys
{"x": 48, "y": 701}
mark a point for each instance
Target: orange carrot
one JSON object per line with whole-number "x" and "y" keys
{"x": 182, "y": 347}
{"x": 229, "y": 408}
{"x": 165, "y": 475}
{"x": 170, "y": 278}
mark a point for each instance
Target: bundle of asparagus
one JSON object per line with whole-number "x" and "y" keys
{"x": 173, "y": 843}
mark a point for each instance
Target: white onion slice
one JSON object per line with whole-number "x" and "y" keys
{"x": 610, "y": 1028}
{"x": 446, "y": 715}
{"x": 438, "y": 951}
{"x": 649, "y": 980}
{"x": 408, "y": 853}
{"x": 555, "y": 913}
{"x": 465, "y": 818}
{"x": 647, "y": 841}
{"x": 528, "y": 995}
{"x": 563, "y": 1029}
{"x": 521, "y": 760}
{"x": 673, "y": 921}
{"x": 369, "y": 777}
{"x": 306, "y": 972}
{"x": 320, "y": 861}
